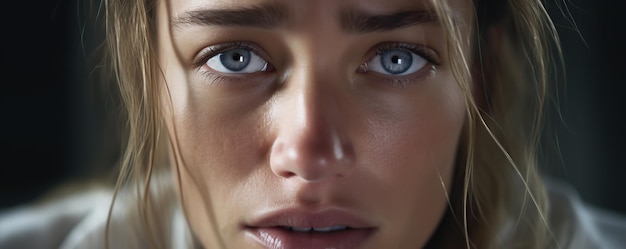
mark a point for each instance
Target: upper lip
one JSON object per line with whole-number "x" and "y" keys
{"x": 302, "y": 218}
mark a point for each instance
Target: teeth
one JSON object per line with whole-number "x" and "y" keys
{"x": 329, "y": 229}
{"x": 301, "y": 229}
{"x": 317, "y": 229}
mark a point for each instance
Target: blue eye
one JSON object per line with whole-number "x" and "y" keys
{"x": 237, "y": 60}
{"x": 396, "y": 62}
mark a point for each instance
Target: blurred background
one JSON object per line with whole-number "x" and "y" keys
{"x": 53, "y": 121}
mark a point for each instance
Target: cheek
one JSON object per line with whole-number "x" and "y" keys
{"x": 417, "y": 132}
{"x": 412, "y": 154}
{"x": 221, "y": 147}
{"x": 219, "y": 152}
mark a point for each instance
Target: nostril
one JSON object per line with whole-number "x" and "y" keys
{"x": 287, "y": 174}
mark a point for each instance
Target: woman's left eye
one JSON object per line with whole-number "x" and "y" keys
{"x": 237, "y": 60}
{"x": 396, "y": 61}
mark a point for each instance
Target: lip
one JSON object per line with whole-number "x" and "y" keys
{"x": 269, "y": 229}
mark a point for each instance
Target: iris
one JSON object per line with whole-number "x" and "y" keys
{"x": 396, "y": 61}
{"x": 235, "y": 59}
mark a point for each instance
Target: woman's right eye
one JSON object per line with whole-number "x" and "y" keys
{"x": 237, "y": 61}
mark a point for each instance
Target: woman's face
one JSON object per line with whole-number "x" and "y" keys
{"x": 310, "y": 124}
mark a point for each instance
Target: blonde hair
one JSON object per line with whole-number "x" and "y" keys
{"x": 506, "y": 83}
{"x": 515, "y": 55}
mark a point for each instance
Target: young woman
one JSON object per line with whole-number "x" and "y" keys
{"x": 334, "y": 124}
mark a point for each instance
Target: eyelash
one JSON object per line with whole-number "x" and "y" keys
{"x": 399, "y": 81}
{"x": 211, "y": 51}
{"x": 212, "y": 78}
{"x": 403, "y": 81}
{"x": 422, "y": 51}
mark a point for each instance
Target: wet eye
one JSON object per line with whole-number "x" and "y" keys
{"x": 396, "y": 62}
{"x": 237, "y": 60}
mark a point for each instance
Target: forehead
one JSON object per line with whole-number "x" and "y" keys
{"x": 459, "y": 10}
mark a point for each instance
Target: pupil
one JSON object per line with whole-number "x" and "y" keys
{"x": 396, "y": 61}
{"x": 236, "y": 59}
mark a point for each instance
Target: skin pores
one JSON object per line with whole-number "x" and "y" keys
{"x": 311, "y": 119}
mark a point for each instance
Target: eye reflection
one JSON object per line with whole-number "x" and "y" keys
{"x": 396, "y": 62}
{"x": 237, "y": 60}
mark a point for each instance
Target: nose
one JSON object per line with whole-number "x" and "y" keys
{"x": 312, "y": 141}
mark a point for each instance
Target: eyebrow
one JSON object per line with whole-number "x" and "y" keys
{"x": 263, "y": 16}
{"x": 273, "y": 15}
{"x": 361, "y": 22}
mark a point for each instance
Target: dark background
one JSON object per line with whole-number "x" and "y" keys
{"x": 52, "y": 118}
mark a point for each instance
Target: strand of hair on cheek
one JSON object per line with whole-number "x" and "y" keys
{"x": 516, "y": 169}
{"x": 178, "y": 163}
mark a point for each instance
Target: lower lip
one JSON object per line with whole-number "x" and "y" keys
{"x": 277, "y": 238}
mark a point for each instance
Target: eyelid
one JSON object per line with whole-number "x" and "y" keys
{"x": 428, "y": 54}
{"x": 400, "y": 81}
{"x": 205, "y": 54}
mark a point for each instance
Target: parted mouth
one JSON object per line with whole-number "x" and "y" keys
{"x": 298, "y": 228}
{"x": 299, "y": 220}
{"x": 315, "y": 229}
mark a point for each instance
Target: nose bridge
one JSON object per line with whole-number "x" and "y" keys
{"x": 322, "y": 81}
{"x": 312, "y": 143}
{"x": 316, "y": 104}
